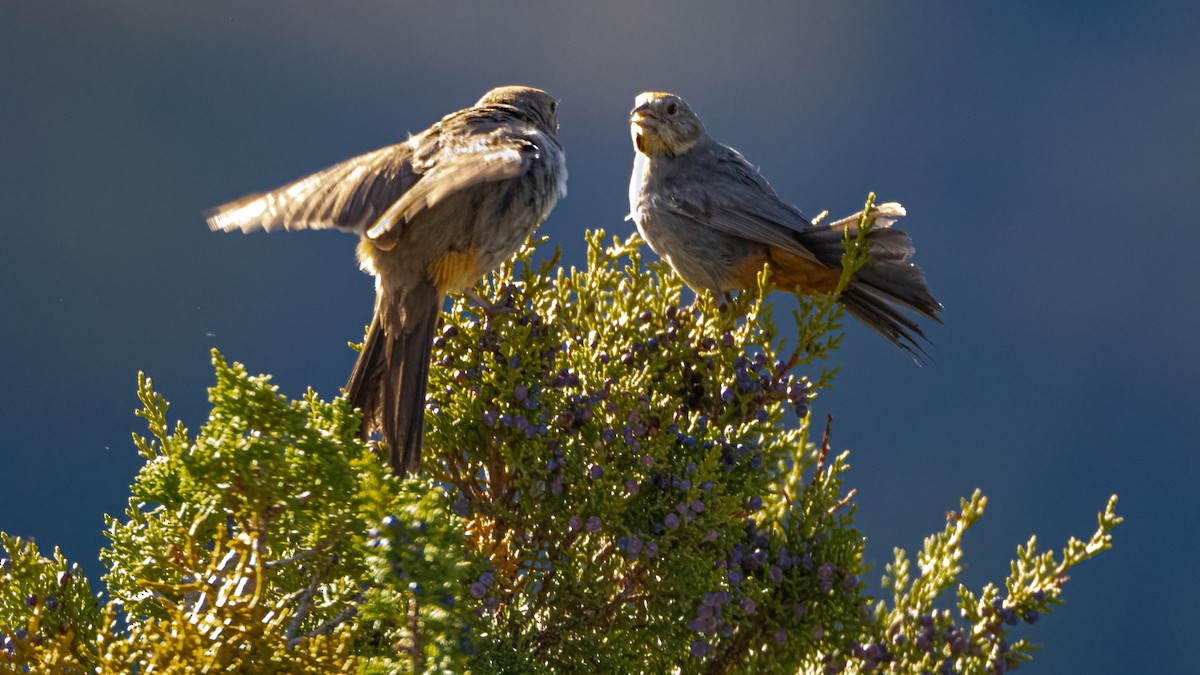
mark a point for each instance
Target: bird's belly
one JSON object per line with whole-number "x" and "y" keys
{"x": 458, "y": 240}
{"x": 704, "y": 257}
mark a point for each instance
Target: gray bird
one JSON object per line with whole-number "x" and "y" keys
{"x": 710, "y": 214}
{"x": 434, "y": 213}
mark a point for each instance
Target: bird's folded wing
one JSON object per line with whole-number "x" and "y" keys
{"x": 716, "y": 187}
{"x": 739, "y": 204}
{"x": 348, "y": 196}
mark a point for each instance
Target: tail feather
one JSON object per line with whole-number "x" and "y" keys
{"x": 887, "y": 244}
{"x": 390, "y": 377}
{"x": 874, "y": 310}
{"x": 363, "y": 389}
{"x": 889, "y": 279}
{"x": 891, "y": 273}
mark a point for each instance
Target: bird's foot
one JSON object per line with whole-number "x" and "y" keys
{"x": 505, "y": 306}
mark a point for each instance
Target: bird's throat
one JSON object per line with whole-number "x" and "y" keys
{"x": 650, "y": 144}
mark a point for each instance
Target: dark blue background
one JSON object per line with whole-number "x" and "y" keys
{"x": 1048, "y": 156}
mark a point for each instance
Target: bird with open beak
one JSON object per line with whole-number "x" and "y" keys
{"x": 709, "y": 213}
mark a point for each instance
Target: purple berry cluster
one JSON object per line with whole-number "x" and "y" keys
{"x": 483, "y": 588}
{"x": 710, "y": 623}
{"x": 732, "y": 450}
{"x": 751, "y": 558}
{"x": 50, "y": 604}
{"x": 634, "y": 546}
{"x": 873, "y": 655}
{"x": 592, "y": 524}
{"x": 799, "y": 398}
{"x": 937, "y": 634}
{"x": 580, "y": 408}
{"x": 555, "y": 469}
{"x": 756, "y": 384}
{"x": 520, "y": 423}
{"x": 1012, "y": 616}
{"x": 677, "y": 487}
{"x": 994, "y": 618}
{"x": 492, "y": 349}
{"x": 934, "y": 633}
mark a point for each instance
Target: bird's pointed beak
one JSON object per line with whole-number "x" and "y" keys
{"x": 641, "y": 114}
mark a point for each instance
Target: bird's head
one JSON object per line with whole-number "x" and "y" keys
{"x": 536, "y": 105}
{"x": 663, "y": 124}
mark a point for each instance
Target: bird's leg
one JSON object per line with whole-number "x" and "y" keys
{"x": 492, "y": 309}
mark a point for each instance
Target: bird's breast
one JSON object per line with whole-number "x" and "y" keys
{"x": 455, "y": 271}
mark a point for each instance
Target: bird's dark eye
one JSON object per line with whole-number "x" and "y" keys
{"x": 672, "y": 108}
{"x": 553, "y": 107}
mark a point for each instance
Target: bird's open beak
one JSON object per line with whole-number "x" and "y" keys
{"x": 641, "y": 115}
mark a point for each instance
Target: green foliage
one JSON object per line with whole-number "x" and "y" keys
{"x": 616, "y": 459}
{"x": 48, "y": 614}
{"x": 611, "y": 483}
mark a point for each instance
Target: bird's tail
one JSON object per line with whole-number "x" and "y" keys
{"x": 389, "y": 380}
{"x": 889, "y": 281}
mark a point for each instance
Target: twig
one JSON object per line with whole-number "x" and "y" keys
{"x": 824, "y": 448}
{"x": 303, "y": 607}
{"x": 737, "y": 649}
{"x": 414, "y": 629}
{"x": 841, "y": 504}
{"x": 307, "y": 553}
{"x": 327, "y": 627}
{"x": 551, "y": 636}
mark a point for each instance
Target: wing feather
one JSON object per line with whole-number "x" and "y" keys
{"x": 734, "y": 198}
{"x": 376, "y": 193}
{"x": 493, "y": 158}
{"x": 347, "y": 196}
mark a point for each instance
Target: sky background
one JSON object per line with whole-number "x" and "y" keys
{"x": 1048, "y": 156}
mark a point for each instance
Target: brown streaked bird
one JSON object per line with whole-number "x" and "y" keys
{"x": 710, "y": 214}
{"x": 434, "y": 214}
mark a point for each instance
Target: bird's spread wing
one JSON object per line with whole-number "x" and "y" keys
{"x": 499, "y": 155}
{"x": 729, "y": 195}
{"x": 348, "y": 196}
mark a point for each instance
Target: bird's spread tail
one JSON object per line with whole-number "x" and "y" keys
{"x": 888, "y": 281}
{"x": 875, "y": 309}
{"x": 389, "y": 380}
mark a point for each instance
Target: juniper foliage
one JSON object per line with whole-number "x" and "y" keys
{"x": 611, "y": 483}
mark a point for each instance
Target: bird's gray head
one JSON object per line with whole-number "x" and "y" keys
{"x": 531, "y": 104}
{"x": 663, "y": 124}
